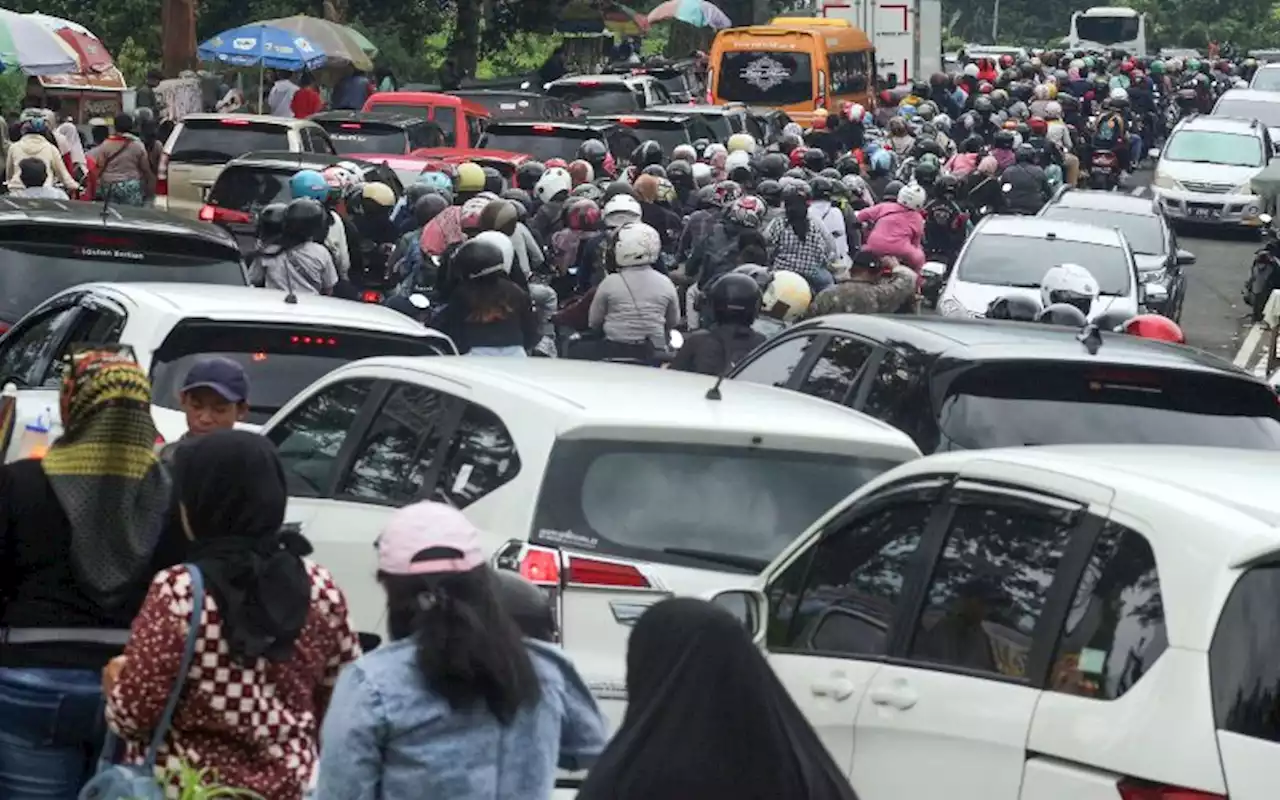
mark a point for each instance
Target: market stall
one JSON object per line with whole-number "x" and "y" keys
{"x": 85, "y": 96}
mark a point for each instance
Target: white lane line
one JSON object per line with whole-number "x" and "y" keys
{"x": 1138, "y": 190}
{"x": 1249, "y": 346}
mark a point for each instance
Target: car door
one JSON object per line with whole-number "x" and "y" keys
{"x": 28, "y": 355}
{"x": 832, "y": 607}
{"x": 970, "y": 650}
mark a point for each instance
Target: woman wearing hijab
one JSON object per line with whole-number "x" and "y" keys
{"x": 273, "y": 639}
{"x": 457, "y": 705}
{"x": 80, "y": 537}
{"x": 708, "y": 720}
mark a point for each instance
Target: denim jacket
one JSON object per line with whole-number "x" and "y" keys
{"x": 387, "y": 737}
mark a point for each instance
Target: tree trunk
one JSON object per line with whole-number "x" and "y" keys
{"x": 335, "y": 11}
{"x": 466, "y": 38}
{"x": 178, "y": 33}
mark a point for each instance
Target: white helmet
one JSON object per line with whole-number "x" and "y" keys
{"x": 1076, "y": 64}
{"x": 1119, "y": 93}
{"x": 856, "y": 112}
{"x": 742, "y": 143}
{"x": 942, "y": 123}
{"x": 1173, "y": 65}
{"x": 1069, "y": 283}
{"x": 503, "y": 243}
{"x": 738, "y": 158}
{"x": 702, "y": 174}
{"x": 1240, "y": 83}
{"x": 1053, "y": 110}
{"x": 635, "y": 245}
{"x": 792, "y": 291}
{"x": 712, "y": 150}
{"x": 553, "y": 182}
{"x": 971, "y": 70}
{"x": 622, "y": 209}
{"x": 913, "y": 196}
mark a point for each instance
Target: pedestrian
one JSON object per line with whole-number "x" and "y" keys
{"x": 123, "y": 166}
{"x": 147, "y": 97}
{"x": 35, "y": 181}
{"x": 450, "y": 75}
{"x": 351, "y": 91}
{"x": 80, "y": 537}
{"x": 707, "y": 719}
{"x": 274, "y": 633}
{"x": 214, "y": 397}
{"x": 280, "y": 98}
{"x": 307, "y": 100}
{"x": 35, "y": 143}
{"x": 457, "y": 704}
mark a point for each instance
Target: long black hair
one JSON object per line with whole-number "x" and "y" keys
{"x": 469, "y": 648}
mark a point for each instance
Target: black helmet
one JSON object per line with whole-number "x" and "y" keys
{"x": 795, "y": 191}
{"x": 477, "y": 258}
{"x": 415, "y": 192}
{"x": 427, "y": 208}
{"x": 773, "y": 165}
{"x": 614, "y": 189}
{"x": 656, "y": 170}
{"x": 947, "y": 184}
{"x": 271, "y": 222}
{"x": 789, "y": 142}
{"x": 700, "y": 146}
{"x": 815, "y": 160}
{"x": 891, "y": 190}
{"x": 735, "y": 298}
{"x": 920, "y": 89}
{"x": 680, "y": 173}
{"x": 1024, "y": 130}
{"x": 927, "y": 146}
{"x": 972, "y": 144}
{"x": 648, "y": 152}
{"x": 832, "y": 173}
{"x": 822, "y": 188}
{"x": 847, "y": 164}
{"x": 525, "y": 603}
{"x": 983, "y": 105}
{"x": 305, "y": 220}
{"x": 1017, "y": 307}
{"x": 528, "y": 173}
{"x": 761, "y": 275}
{"x": 927, "y": 173}
{"x": 1003, "y": 139}
{"x": 493, "y": 181}
{"x": 522, "y": 200}
{"x": 593, "y": 152}
{"x": 1069, "y": 102}
{"x": 1112, "y": 320}
{"x": 1063, "y": 314}
{"x": 771, "y": 191}
{"x": 796, "y": 172}
{"x": 1025, "y": 154}
{"x": 743, "y": 173}
{"x": 499, "y": 215}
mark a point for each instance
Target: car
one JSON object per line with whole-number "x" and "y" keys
{"x": 668, "y": 130}
{"x": 1043, "y": 622}
{"x": 609, "y": 94}
{"x": 620, "y": 485}
{"x": 961, "y": 384}
{"x": 1264, "y": 106}
{"x": 772, "y": 122}
{"x": 518, "y": 104}
{"x": 1204, "y": 173}
{"x": 254, "y": 180}
{"x": 677, "y": 77}
{"x": 201, "y": 145}
{"x": 546, "y": 139}
{"x": 1009, "y": 255}
{"x": 47, "y": 246}
{"x": 390, "y": 132}
{"x": 407, "y": 168}
{"x": 462, "y": 121}
{"x": 282, "y": 346}
{"x": 504, "y": 161}
{"x": 1151, "y": 238}
{"x": 1266, "y": 78}
{"x": 725, "y": 120}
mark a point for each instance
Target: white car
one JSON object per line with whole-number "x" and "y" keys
{"x": 282, "y": 346}
{"x": 1039, "y": 624}
{"x": 1205, "y": 171}
{"x": 614, "y": 486}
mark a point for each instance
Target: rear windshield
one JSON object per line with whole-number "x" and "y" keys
{"x": 517, "y": 106}
{"x": 1017, "y": 404}
{"x": 217, "y": 141}
{"x": 37, "y": 262}
{"x": 1145, "y": 233}
{"x": 1267, "y": 80}
{"x": 766, "y": 77}
{"x": 726, "y": 507}
{"x": 538, "y": 144}
{"x": 667, "y": 134}
{"x": 604, "y": 98}
{"x": 1244, "y": 672}
{"x": 366, "y": 137}
{"x": 280, "y": 360}
{"x": 1000, "y": 260}
{"x": 250, "y": 188}
{"x": 1265, "y": 111}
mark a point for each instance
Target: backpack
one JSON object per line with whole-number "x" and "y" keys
{"x": 1108, "y": 129}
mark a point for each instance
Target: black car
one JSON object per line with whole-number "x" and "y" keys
{"x": 724, "y": 121}
{"x": 49, "y": 245}
{"x": 390, "y": 133}
{"x": 668, "y": 130}
{"x": 677, "y": 77}
{"x": 771, "y": 121}
{"x": 255, "y": 180}
{"x": 547, "y": 139}
{"x": 1151, "y": 237}
{"x": 517, "y": 104}
{"x": 960, "y": 384}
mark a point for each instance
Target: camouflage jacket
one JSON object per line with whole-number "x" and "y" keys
{"x": 883, "y": 295}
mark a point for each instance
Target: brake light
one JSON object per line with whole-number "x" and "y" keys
{"x": 234, "y": 121}
{"x": 1132, "y": 789}
{"x": 315, "y": 340}
{"x": 351, "y": 126}
{"x": 371, "y": 297}
{"x": 4, "y": 328}
{"x": 541, "y": 567}
{"x": 590, "y": 572}
{"x": 588, "y": 83}
{"x": 162, "y": 176}
{"x": 544, "y": 128}
{"x": 159, "y": 440}
{"x": 629, "y": 121}
{"x": 224, "y": 215}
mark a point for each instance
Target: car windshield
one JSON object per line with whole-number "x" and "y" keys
{"x": 217, "y": 141}
{"x": 1107, "y": 30}
{"x": 362, "y": 137}
{"x": 1267, "y": 80}
{"x": 512, "y": 106}
{"x": 666, "y": 134}
{"x": 1022, "y": 404}
{"x": 1003, "y": 260}
{"x": 766, "y": 77}
{"x": 1266, "y": 112}
{"x": 280, "y": 360}
{"x": 1214, "y": 147}
{"x": 1144, "y": 231}
{"x": 598, "y": 98}
{"x": 689, "y": 504}
{"x": 539, "y": 142}
{"x": 37, "y": 262}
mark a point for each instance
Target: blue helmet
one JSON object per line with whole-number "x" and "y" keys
{"x": 310, "y": 184}
{"x": 436, "y": 180}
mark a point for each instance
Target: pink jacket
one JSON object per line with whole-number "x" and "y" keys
{"x": 898, "y": 232}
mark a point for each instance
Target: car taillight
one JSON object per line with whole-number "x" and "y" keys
{"x": 371, "y": 297}
{"x": 590, "y": 572}
{"x": 234, "y": 121}
{"x": 224, "y": 215}
{"x": 544, "y": 128}
{"x": 1133, "y": 789}
{"x": 162, "y": 176}
{"x": 630, "y": 121}
{"x": 4, "y": 328}
{"x": 588, "y": 83}
{"x": 541, "y": 567}
{"x": 351, "y": 126}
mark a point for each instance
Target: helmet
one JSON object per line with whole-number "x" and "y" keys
{"x": 581, "y": 172}
{"x": 983, "y": 105}
{"x": 1154, "y": 326}
{"x": 528, "y": 173}
{"x": 616, "y": 188}
{"x": 742, "y": 142}
{"x": 481, "y": 256}
{"x": 1026, "y": 154}
{"x": 1003, "y": 139}
{"x": 428, "y": 208}
{"x": 1071, "y": 284}
{"x": 773, "y": 165}
{"x": 971, "y": 70}
{"x": 702, "y": 174}
{"x": 666, "y": 191}
{"x": 847, "y": 164}
{"x": 771, "y": 191}
{"x": 738, "y": 159}
{"x": 656, "y": 170}
{"x": 1038, "y": 126}
{"x": 926, "y": 173}
{"x": 680, "y": 173}
{"x": 1157, "y": 66}
{"x": 891, "y": 190}
{"x": 797, "y": 174}
{"x": 856, "y": 112}
{"x": 1017, "y": 307}
{"x": 683, "y": 152}
{"x": 735, "y": 298}
{"x": 727, "y": 192}
{"x": 761, "y": 275}
{"x": 493, "y": 180}
{"x": 927, "y": 110}
{"x": 556, "y": 163}
{"x": 854, "y": 184}
{"x": 582, "y": 215}
{"x": 1063, "y": 314}
{"x": 470, "y": 214}
{"x": 470, "y": 178}
{"x": 634, "y": 245}
{"x": 796, "y": 157}
{"x": 526, "y": 604}
{"x": 821, "y": 188}
{"x": 714, "y": 149}
{"x": 436, "y": 181}
{"x": 593, "y": 152}
{"x": 700, "y": 147}
{"x": 648, "y": 152}
{"x": 1119, "y": 95}
{"x": 621, "y": 209}
{"x": 747, "y": 211}
{"x": 789, "y": 290}
{"x": 913, "y": 196}
{"x": 309, "y": 183}
{"x": 271, "y": 221}
{"x": 553, "y": 183}
{"x": 589, "y": 191}
{"x": 788, "y": 142}
{"x": 521, "y": 198}
{"x": 815, "y": 160}
{"x": 378, "y": 194}
{"x": 1006, "y": 61}
{"x": 501, "y": 216}
{"x": 304, "y": 220}
{"x": 794, "y": 191}
{"x": 1053, "y": 110}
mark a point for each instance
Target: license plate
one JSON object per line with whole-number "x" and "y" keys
{"x": 1204, "y": 213}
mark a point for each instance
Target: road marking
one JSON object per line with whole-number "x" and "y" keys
{"x": 1138, "y": 190}
{"x": 1250, "y": 345}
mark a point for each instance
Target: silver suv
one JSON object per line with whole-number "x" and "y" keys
{"x": 1205, "y": 171}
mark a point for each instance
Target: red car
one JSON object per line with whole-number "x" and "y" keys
{"x": 462, "y": 121}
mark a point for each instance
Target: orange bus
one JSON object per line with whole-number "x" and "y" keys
{"x": 797, "y": 64}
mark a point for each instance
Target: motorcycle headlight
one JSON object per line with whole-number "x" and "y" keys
{"x": 951, "y": 307}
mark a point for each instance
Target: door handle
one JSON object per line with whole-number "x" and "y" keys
{"x": 836, "y": 689}
{"x": 899, "y": 696}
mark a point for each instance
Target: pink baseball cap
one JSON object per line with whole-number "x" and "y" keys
{"x": 428, "y": 538}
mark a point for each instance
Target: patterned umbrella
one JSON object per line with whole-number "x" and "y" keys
{"x": 698, "y": 13}
{"x": 585, "y": 16}
{"x": 262, "y": 45}
{"x": 340, "y": 43}
{"x": 88, "y": 49}
{"x": 28, "y": 46}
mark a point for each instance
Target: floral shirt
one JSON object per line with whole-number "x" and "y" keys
{"x": 255, "y": 724}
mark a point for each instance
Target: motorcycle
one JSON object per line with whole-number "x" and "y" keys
{"x": 1264, "y": 273}
{"x": 1104, "y": 170}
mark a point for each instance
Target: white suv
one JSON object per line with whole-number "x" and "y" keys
{"x": 1039, "y": 624}
{"x": 1205, "y": 171}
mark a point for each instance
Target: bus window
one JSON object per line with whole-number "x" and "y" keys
{"x": 848, "y": 72}
{"x": 767, "y": 78}
{"x": 1107, "y": 30}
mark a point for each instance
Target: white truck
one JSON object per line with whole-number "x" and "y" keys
{"x": 894, "y": 26}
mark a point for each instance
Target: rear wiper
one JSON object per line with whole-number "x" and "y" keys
{"x": 1022, "y": 285}
{"x": 755, "y": 565}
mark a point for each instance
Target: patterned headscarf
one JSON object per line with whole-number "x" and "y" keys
{"x": 105, "y": 473}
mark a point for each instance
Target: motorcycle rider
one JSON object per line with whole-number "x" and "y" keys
{"x": 945, "y": 221}
{"x": 829, "y": 213}
{"x": 898, "y": 227}
{"x": 301, "y": 265}
{"x": 1063, "y": 314}
{"x": 1069, "y": 284}
{"x": 1111, "y": 130}
{"x": 1027, "y": 186}
{"x": 635, "y": 306}
{"x": 1002, "y": 144}
{"x": 734, "y": 300}
{"x": 317, "y": 186}
{"x": 735, "y": 239}
{"x": 377, "y": 233}
{"x": 785, "y": 302}
{"x": 551, "y": 191}
{"x": 876, "y": 285}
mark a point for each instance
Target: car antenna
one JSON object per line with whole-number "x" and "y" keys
{"x": 1091, "y": 337}
{"x": 714, "y": 392}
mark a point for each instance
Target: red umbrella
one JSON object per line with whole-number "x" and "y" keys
{"x": 91, "y": 53}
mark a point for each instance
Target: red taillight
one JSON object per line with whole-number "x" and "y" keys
{"x": 629, "y": 121}
{"x": 371, "y": 297}
{"x": 225, "y": 215}
{"x": 162, "y": 176}
{"x": 206, "y": 214}
{"x": 541, "y": 567}
{"x": 320, "y": 340}
{"x": 351, "y": 126}
{"x": 159, "y": 440}
{"x": 234, "y": 121}
{"x": 588, "y": 83}
{"x": 544, "y": 128}
{"x": 605, "y": 573}
{"x": 4, "y": 328}
{"x": 1132, "y": 789}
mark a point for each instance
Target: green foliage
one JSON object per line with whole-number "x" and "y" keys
{"x": 201, "y": 784}
{"x": 134, "y": 61}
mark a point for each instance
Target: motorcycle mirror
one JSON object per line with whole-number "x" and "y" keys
{"x": 1008, "y": 187}
{"x": 420, "y": 301}
{"x": 1265, "y": 219}
{"x": 935, "y": 269}
{"x": 1153, "y": 153}
{"x": 677, "y": 340}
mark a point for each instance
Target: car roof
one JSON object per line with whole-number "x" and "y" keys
{"x": 1107, "y": 202}
{"x": 557, "y": 123}
{"x": 644, "y": 116}
{"x": 264, "y": 119}
{"x": 403, "y": 119}
{"x": 570, "y": 80}
{"x": 117, "y": 218}
{"x": 1040, "y": 228}
{"x": 1219, "y": 124}
{"x": 1257, "y": 95}
{"x": 284, "y": 159}
{"x": 427, "y": 99}
{"x": 705, "y": 110}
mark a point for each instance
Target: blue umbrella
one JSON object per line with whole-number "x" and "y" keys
{"x": 263, "y": 46}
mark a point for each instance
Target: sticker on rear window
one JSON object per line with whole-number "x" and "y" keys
{"x": 552, "y": 536}
{"x": 102, "y": 252}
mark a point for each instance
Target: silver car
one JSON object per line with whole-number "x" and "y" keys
{"x": 1205, "y": 172}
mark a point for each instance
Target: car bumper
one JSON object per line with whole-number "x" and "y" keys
{"x": 1212, "y": 209}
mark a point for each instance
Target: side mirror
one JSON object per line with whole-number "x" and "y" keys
{"x": 748, "y": 606}
{"x": 1153, "y": 153}
{"x": 935, "y": 269}
{"x": 1154, "y": 294}
{"x": 1186, "y": 257}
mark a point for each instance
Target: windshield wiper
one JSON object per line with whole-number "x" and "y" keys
{"x": 755, "y": 565}
{"x": 1021, "y": 285}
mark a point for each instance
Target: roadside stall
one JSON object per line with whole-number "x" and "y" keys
{"x": 85, "y": 96}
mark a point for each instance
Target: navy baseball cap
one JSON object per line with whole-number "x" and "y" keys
{"x": 224, "y": 376}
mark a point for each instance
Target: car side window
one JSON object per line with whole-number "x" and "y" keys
{"x": 989, "y": 586}
{"x": 448, "y": 122}
{"x": 475, "y": 127}
{"x": 310, "y": 438}
{"x": 1115, "y": 629}
{"x": 28, "y": 352}
{"x": 898, "y": 395}
{"x": 94, "y": 325}
{"x": 399, "y": 445}
{"x": 321, "y": 143}
{"x": 774, "y": 366}
{"x": 841, "y": 598}
{"x": 1244, "y": 675}
{"x": 481, "y": 458}
{"x": 836, "y": 371}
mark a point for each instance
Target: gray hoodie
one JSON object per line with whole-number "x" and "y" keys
{"x": 306, "y": 268}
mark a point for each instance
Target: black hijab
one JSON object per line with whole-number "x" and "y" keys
{"x": 708, "y": 720}
{"x": 233, "y": 495}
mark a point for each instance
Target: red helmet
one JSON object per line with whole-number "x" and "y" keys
{"x": 1038, "y": 126}
{"x": 582, "y": 215}
{"x": 1154, "y": 326}
{"x": 1126, "y": 66}
{"x": 1006, "y": 61}
{"x": 552, "y": 163}
{"x": 985, "y": 88}
{"x": 581, "y": 172}
{"x": 797, "y": 156}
